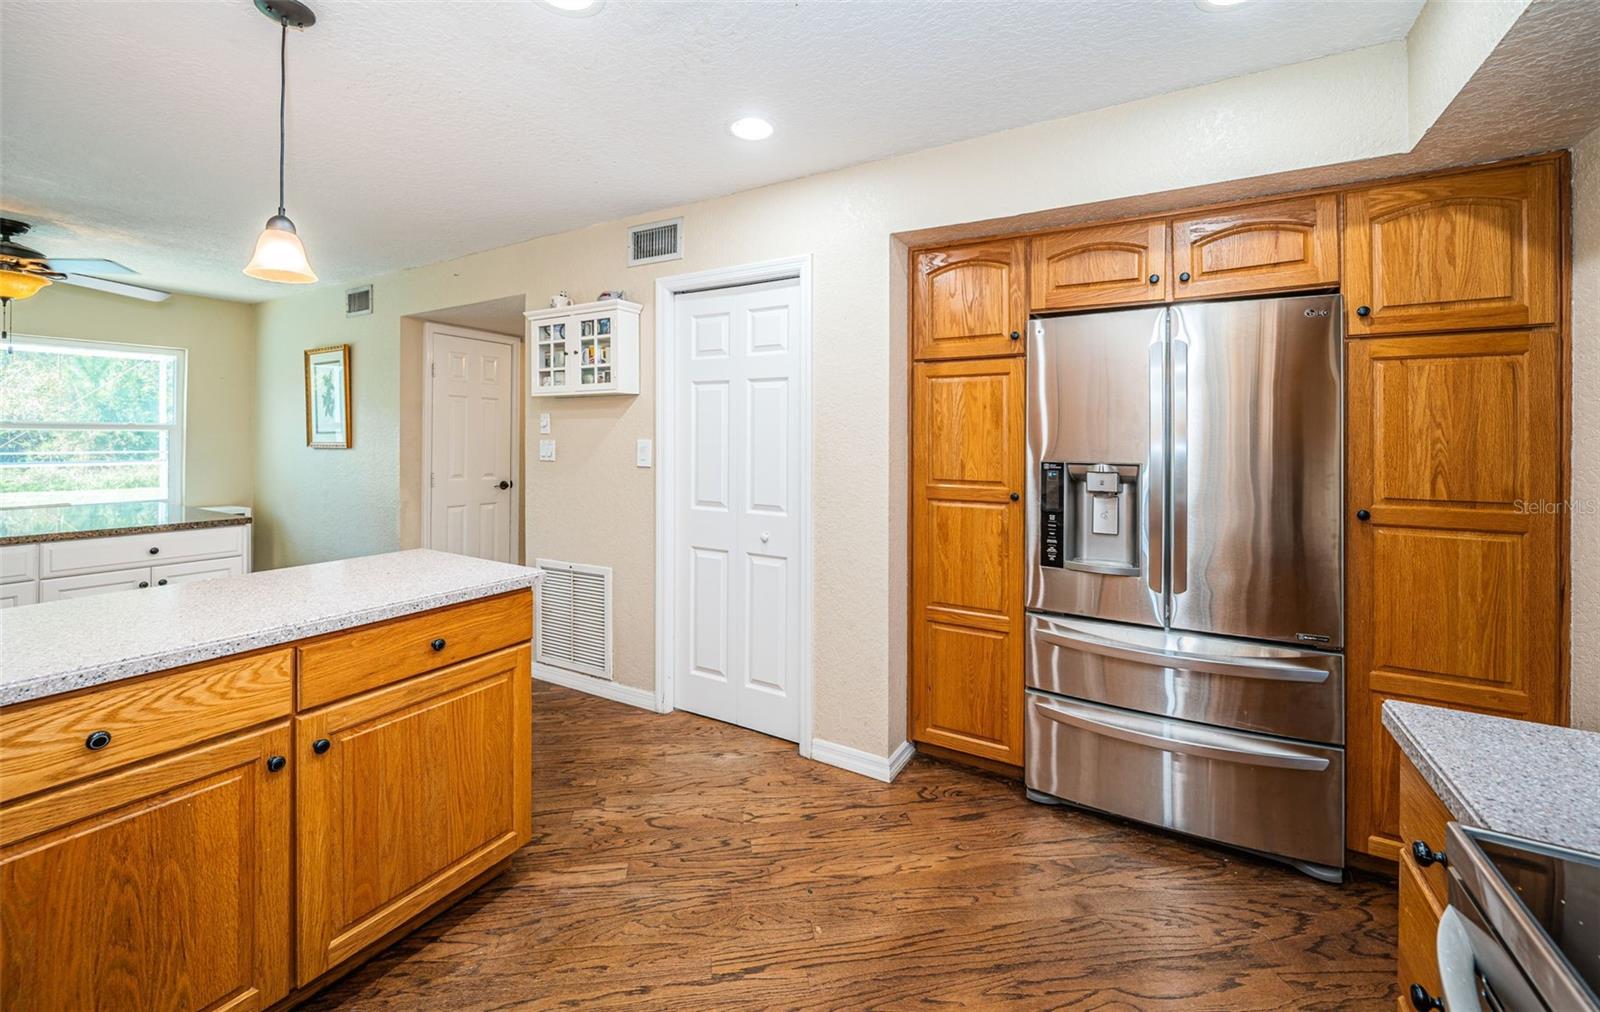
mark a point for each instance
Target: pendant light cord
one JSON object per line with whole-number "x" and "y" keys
{"x": 283, "y": 88}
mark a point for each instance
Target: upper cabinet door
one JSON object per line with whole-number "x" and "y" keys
{"x": 1106, "y": 265}
{"x": 1469, "y": 252}
{"x": 1268, "y": 247}
{"x": 969, "y": 301}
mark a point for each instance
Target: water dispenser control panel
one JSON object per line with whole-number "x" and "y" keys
{"x": 1089, "y": 517}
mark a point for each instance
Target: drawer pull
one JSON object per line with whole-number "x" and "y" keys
{"x": 154, "y": 550}
{"x": 321, "y": 745}
{"x": 437, "y": 645}
{"x": 143, "y": 584}
{"x": 97, "y": 741}
{"x": 1365, "y": 311}
{"x": 275, "y": 764}
{"x": 1426, "y": 856}
{"x": 1238, "y": 667}
{"x": 1134, "y": 731}
{"x": 1422, "y": 1001}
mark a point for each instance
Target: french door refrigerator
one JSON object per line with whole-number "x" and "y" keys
{"x": 1185, "y": 585}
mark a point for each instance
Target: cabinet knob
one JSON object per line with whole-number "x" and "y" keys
{"x": 275, "y": 764}
{"x": 1184, "y": 276}
{"x": 1363, "y": 515}
{"x": 1015, "y": 497}
{"x": 1016, "y": 335}
{"x": 143, "y": 584}
{"x": 1363, "y": 310}
{"x": 1426, "y": 856}
{"x": 97, "y": 741}
{"x": 154, "y": 550}
{"x": 321, "y": 746}
{"x": 161, "y": 582}
{"x": 1422, "y": 1001}
{"x": 437, "y": 645}
{"x": 1154, "y": 278}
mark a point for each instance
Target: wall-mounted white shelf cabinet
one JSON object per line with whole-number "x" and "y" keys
{"x": 590, "y": 348}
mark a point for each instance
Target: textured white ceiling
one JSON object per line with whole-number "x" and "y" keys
{"x": 146, "y": 132}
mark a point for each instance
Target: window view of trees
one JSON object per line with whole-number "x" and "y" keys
{"x": 82, "y": 422}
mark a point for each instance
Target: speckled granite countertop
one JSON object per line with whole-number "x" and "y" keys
{"x": 21, "y": 525}
{"x": 1511, "y": 776}
{"x": 59, "y": 646}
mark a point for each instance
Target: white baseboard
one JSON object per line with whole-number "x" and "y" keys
{"x": 864, "y": 763}
{"x": 645, "y": 699}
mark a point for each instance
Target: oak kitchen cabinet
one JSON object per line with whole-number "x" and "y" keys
{"x": 1102, "y": 265}
{"x": 1265, "y": 247}
{"x": 969, "y": 301}
{"x": 195, "y": 838}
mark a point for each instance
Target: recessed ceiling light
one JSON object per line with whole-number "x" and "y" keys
{"x": 1211, "y": 6}
{"x": 750, "y": 128}
{"x": 574, "y": 8}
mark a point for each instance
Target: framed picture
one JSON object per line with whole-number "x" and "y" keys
{"x": 328, "y": 398}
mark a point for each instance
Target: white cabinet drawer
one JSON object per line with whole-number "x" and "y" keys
{"x": 90, "y": 584}
{"x": 92, "y": 555}
{"x": 13, "y": 595}
{"x": 194, "y": 572}
{"x": 19, "y": 562}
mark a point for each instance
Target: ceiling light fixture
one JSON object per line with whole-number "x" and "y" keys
{"x": 750, "y": 128}
{"x": 279, "y": 254}
{"x": 574, "y": 8}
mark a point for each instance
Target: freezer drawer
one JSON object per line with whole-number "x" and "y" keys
{"x": 1209, "y": 679}
{"x": 1247, "y": 790}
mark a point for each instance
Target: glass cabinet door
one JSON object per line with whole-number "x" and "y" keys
{"x": 550, "y": 354}
{"x": 594, "y": 352}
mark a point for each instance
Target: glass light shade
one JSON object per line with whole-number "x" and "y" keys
{"x": 20, "y": 285}
{"x": 279, "y": 255}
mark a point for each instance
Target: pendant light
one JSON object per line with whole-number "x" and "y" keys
{"x": 279, "y": 254}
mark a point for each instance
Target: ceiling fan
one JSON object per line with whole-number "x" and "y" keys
{"x": 24, "y": 271}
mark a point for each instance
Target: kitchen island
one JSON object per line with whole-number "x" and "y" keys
{"x": 225, "y": 794}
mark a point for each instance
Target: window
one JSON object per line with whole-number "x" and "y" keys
{"x": 85, "y": 422}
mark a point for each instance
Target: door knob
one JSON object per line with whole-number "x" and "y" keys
{"x": 1015, "y": 497}
{"x": 1363, "y": 515}
{"x": 503, "y": 485}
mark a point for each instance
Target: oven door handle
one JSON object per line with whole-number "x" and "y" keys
{"x": 1238, "y": 667}
{"x": 1126, "y": 728}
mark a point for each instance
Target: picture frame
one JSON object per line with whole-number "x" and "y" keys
{"x": 328, "y": 398}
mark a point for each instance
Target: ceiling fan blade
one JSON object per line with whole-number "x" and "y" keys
{"x": 117, "y": 288}
{"x": 96, "y": 267}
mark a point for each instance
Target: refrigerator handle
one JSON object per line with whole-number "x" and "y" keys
{"x": 1155, "y": 485}
{"x": 1180, "y": 455}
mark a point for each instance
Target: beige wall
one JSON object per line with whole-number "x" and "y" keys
{"x": 1585, "y": 423}
{"x": 219, "y": 441}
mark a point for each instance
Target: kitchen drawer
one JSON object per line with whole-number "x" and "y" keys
{"x": 1422, "y": 819}
{"x": 15, "y": 595}
{"x": 1209, "y": 679}
{"x": 194, "y": 572}
{"x": 19, "y": 563}
{"x": 89, "y": 584}
{"x": 90, "y": 555}
{"x": 1248, "y": 790}
{"x": 345, "y": 663}
{"x": 1419, "y": 930}
{"x": 47, "y": 743}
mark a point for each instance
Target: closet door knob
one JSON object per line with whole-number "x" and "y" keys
{"x": 503, "y": 485}
{"x": 321, "y": 746}
{"x": 275, "y": 764}
{"x": 97, "y": 741}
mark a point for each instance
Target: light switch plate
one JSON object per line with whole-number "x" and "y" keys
{"x": 643, "y": 454}
{"x": 544, "y": 422}
{"x": 547, "y": 449}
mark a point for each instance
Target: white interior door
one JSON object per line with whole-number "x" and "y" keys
{"x": 472, "y": 495}
{"x": 737, "y": 503}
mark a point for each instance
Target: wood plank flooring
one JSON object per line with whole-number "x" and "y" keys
{"x": 680, "y": 863}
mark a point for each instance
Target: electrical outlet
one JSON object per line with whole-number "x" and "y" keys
{"x": 643, "y": 453}
{"x": 547, "y": 449}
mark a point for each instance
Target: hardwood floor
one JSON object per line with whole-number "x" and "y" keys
{"x": 679, "y": 863}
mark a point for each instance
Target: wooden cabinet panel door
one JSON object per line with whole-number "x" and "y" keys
{"x": 1465, "y": 252}
{"x": 1453, "y": 582}
{"x": 969, "y": 301}
{"x": 967, "y": 461}
{"x": 1266, "y": 247}
{"x": 1103, "y": 265}
{"x": 162, "y": 885}
{"x": 423, "y": 786}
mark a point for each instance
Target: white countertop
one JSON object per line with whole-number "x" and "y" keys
{"x": 1511, "y": 776}
{"x": 47, "y": 649}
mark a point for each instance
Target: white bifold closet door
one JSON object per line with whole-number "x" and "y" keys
{"x": 736, "y": 483}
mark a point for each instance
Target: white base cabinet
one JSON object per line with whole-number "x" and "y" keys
{"x": 83, "y": 567}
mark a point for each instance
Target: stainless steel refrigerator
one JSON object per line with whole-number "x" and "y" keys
{"x": 1185, "y": 585}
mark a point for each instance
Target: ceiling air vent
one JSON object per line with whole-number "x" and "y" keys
{"x": 661, "y": 240}
{"x": 574, "y": 627}
{"x": 358, "y": 301}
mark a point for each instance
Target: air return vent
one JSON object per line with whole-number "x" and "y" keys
{"x": 574, "y": 629}
{"x": 358, "y": 301}
{"x": 662, "y": 240}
